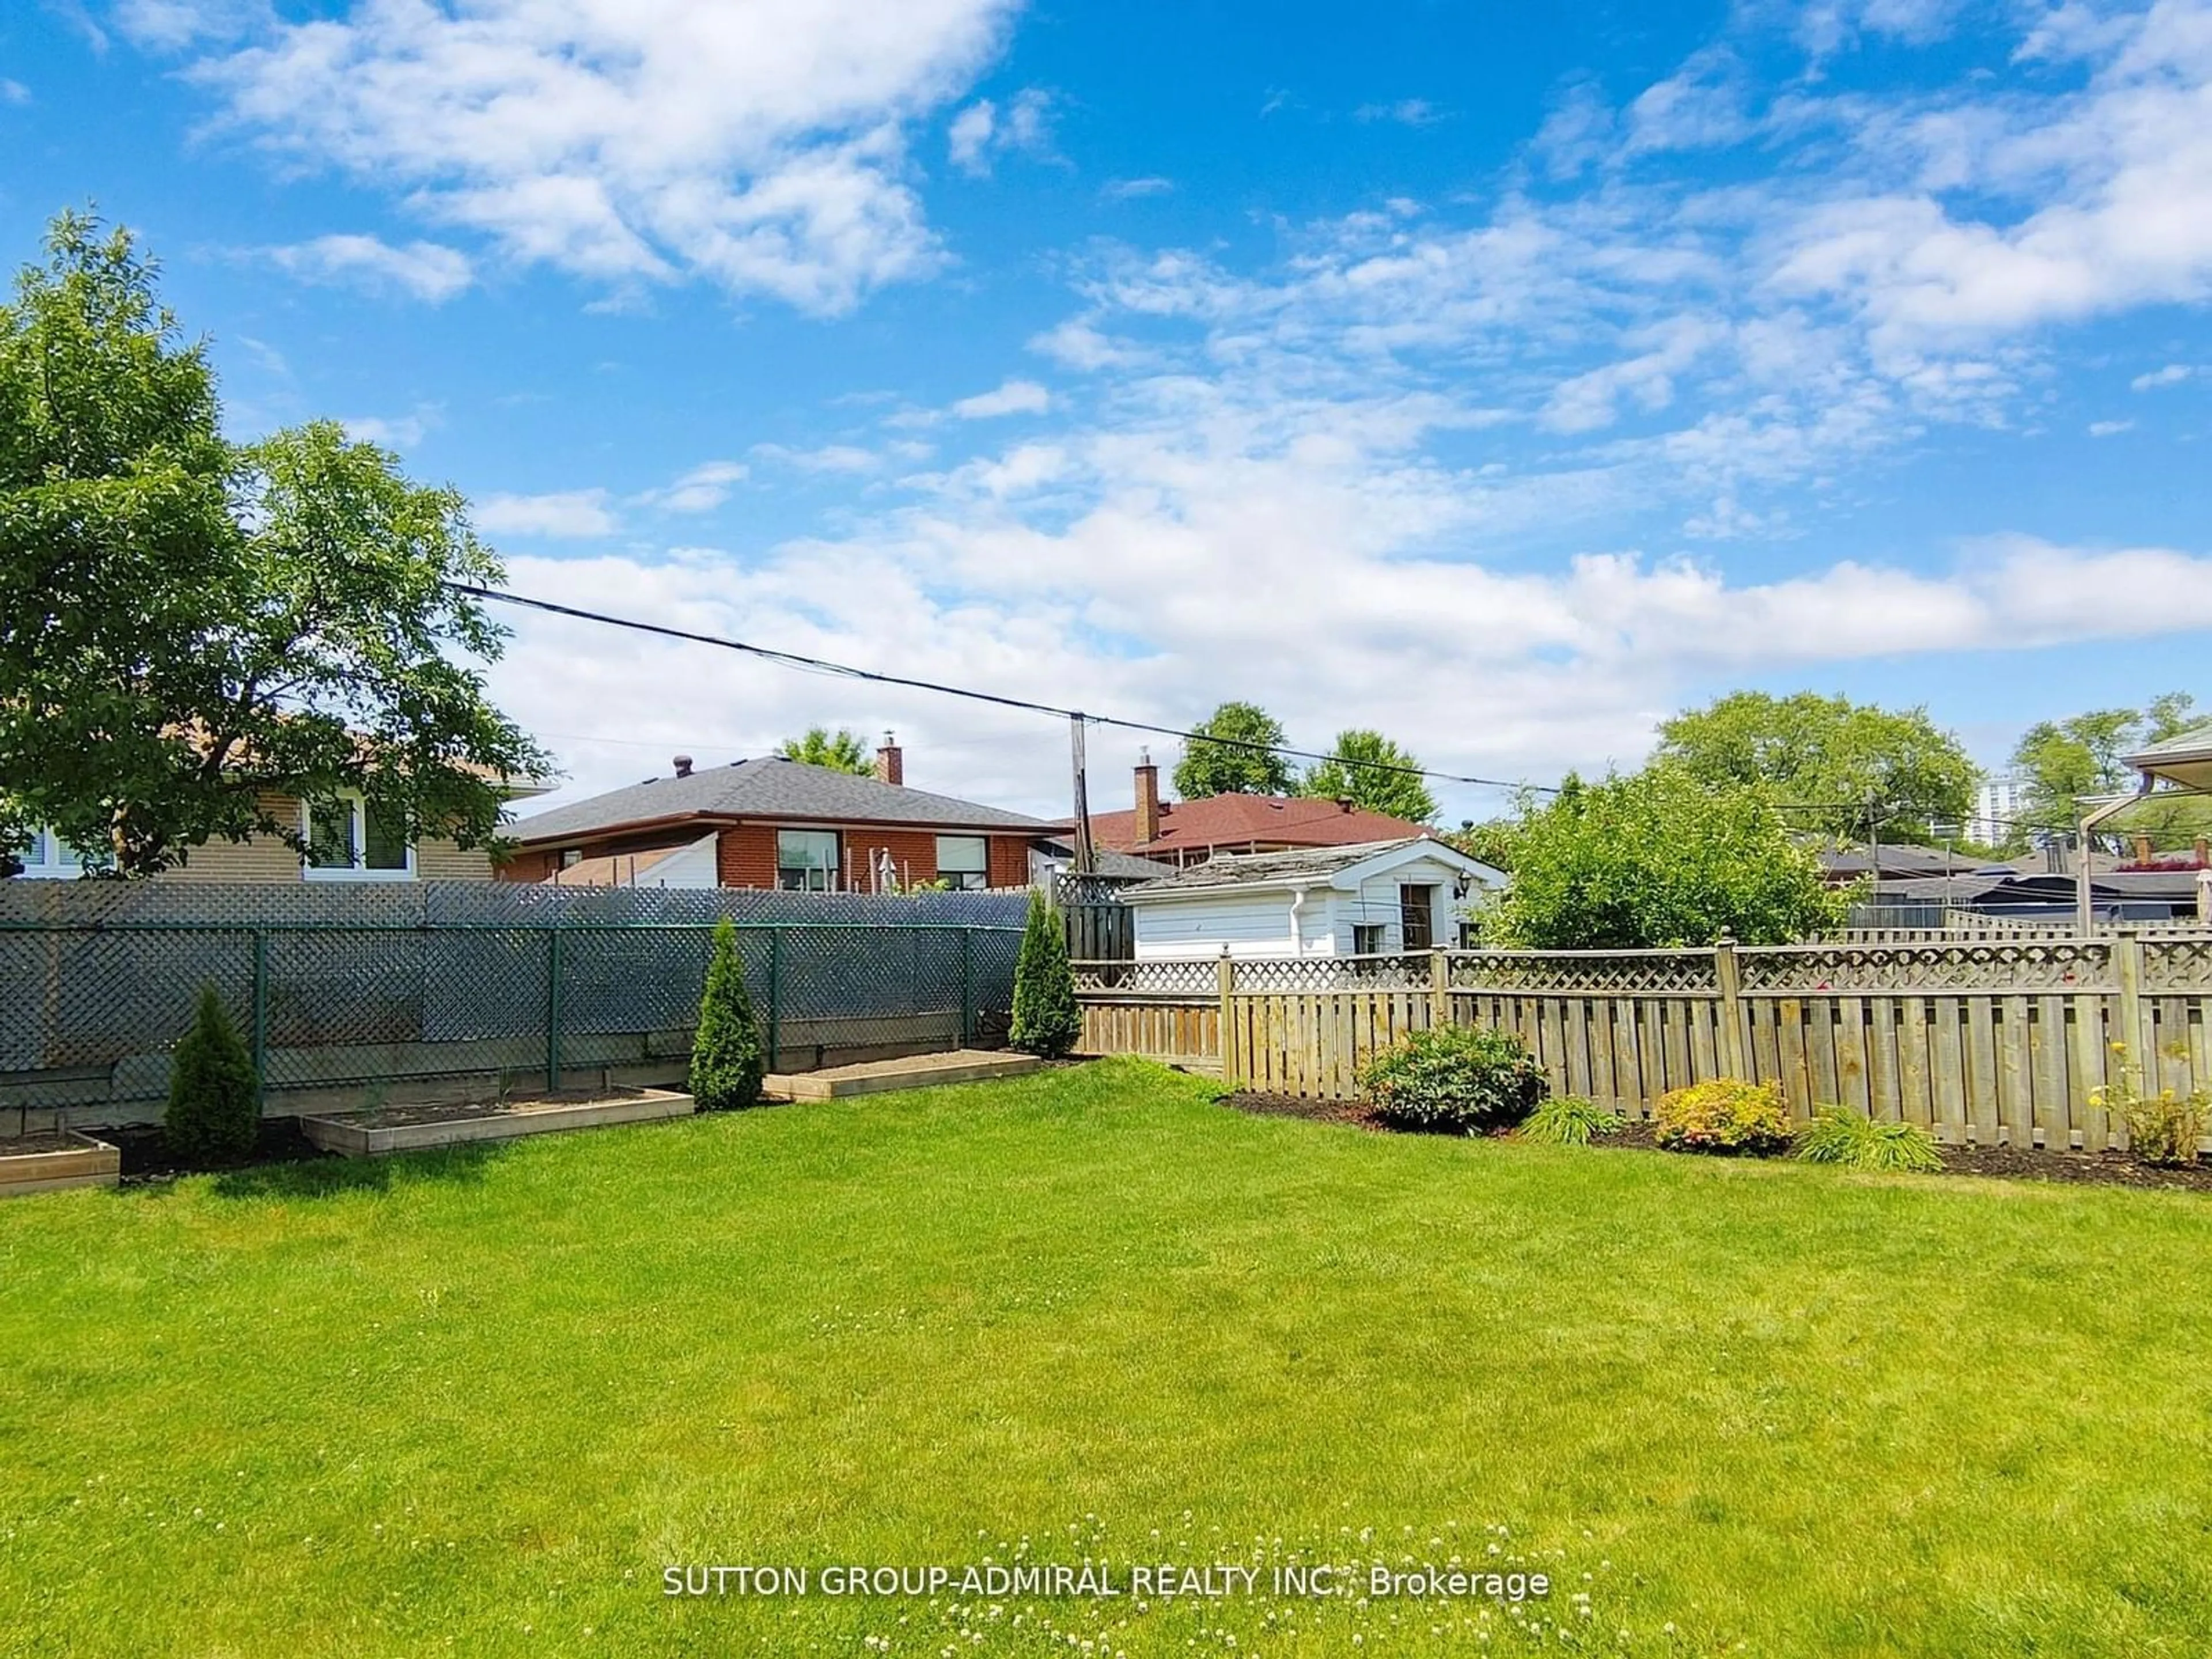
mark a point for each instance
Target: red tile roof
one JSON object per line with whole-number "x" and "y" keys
{"x": 1238, "y": 823}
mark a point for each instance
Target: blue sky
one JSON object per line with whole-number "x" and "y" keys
{"x": 1503, "y": 377}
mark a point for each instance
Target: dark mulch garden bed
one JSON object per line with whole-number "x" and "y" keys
{"x": 2106, "y": 1169}
{"x": 39, "y": 1141}
{"x": 146, "y": 1155}
{"x": 460, "y": 1111}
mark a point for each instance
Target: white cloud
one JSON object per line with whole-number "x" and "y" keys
{"x": 702, "y": 489}
{"x": 1014, "y": 398}
{"x": 173, "y": 25}
{"x": 1078, "y": 343}
{"x": 13, "y": 91}
{"x": 2172, "y": 374}
{"x": 1130, "y": 190}
{"x": 1407, "y": 112}
{"x": 401, "y": 432}
{"x": 830, "y": 458}
{"x": 970, "y": 135}
{"x": 2110, "y": 428}
{"x": 983, "y": 131}
{"x": 565, "y": 514}
{"x": 763, "y": 146}
{"x": 2116, "y": 177}
{"x": 423, "y": 270}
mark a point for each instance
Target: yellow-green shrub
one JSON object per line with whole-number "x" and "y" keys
{"x": 1724, "y": 1115}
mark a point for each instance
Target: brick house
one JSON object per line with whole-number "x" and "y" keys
{"x": 350, "y": 845}
{"x": 776, "y": 823}
{"x": 1183, "y": 833}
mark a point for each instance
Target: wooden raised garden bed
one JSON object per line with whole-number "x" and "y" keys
{"x": 410, "y": 1129}
{"x": 49, "y": 1162}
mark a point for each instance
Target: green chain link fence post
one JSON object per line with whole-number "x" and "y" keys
{"x": 967, "y": 986}
{"x": 775, "y": 995}
{"x": 552, "y": 1009}
{"x": 260, "y": 1016}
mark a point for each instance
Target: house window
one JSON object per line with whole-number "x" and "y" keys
{"x": 1367, "y": 938}
{"x": 807, "y": 861}
{"x": 1417, "y": 915}
{"x": 350, "y": 839}
{"x": 571, "y": 857}
{"x": 963, "y": 862}
{"x": 46, "y": 856}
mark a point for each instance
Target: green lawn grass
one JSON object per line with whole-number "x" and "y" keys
{"x": 475, "y": 1402}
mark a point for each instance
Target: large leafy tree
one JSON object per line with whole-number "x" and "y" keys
{"x": 1839, "y": 768}
{"x": 1368, "y": 770}
{"x": 2068, "y": 762}
{"x": 1235, "y": 750}
{"x": 191, "y": 629}
{"x": 840, "y": 750}
{"x": 1658, "y": 858}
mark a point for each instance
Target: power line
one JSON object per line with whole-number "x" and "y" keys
{"x": 819, "y": 665}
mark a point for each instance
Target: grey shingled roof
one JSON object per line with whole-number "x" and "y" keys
{"x": 767, "y": 789}
{"x": 1264, "y": 869}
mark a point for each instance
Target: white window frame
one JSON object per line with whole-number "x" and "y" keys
{"x": 47, "y": 859}
{"x": 356, "y": 870}
{"x": 832, "y": 872}
{"x": 983, "y": 876}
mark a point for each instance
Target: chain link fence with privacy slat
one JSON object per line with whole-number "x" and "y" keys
{"x": 370, "y": 988}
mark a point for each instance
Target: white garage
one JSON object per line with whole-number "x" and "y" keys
{"x": 1376, "y": 898}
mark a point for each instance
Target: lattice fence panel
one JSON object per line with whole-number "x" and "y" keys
{"x": 2177, "y": 964}
{"x": 1629, "y": 973}
{"x": 1197, "y": 977}
{"x": 2062, "y": 965}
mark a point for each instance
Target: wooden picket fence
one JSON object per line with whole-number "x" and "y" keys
{"x": 1993, "y": 1042}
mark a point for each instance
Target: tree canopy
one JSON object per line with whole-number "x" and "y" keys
{"x": 1237, "y": 752}
{"x": 2065, "y": 762}
{"x": 1372, "y": 772}
{"x": 1658, "y": 858}
{"x": 1842, "y": 769}
{"x": 840, "y": 750}
{"x": 190, "y": 628}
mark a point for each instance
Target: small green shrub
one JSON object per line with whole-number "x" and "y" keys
{"x": 215, "y": 1098}
{"x": 1454, "y": 1077}
{"x": 1047, "y": 1021}
{"x": 1840, "y": 1136}
{"x": 1570, "y": 1120}
{"x": 726, "y": 1061}
{"x": 2163, "y": 1128}
{"x": 1722, "y": 1115}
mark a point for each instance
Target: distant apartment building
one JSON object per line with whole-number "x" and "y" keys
{"x": 1997, "y": 806}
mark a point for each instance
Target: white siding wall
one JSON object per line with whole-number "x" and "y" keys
{"x": 1249, "y": 924}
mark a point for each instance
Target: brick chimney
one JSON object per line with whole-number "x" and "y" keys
{"x": 683, "y": 766}
{"x": 2143, "y": 849}
{"x": 1148, "y": 800}
{"x": 891, "y": 761}
{"x": 2204, "y": 853}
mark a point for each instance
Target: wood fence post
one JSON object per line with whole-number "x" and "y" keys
{"x": 1728, "y": 973}
{"x": 2127, "y": 962}
{"x": 1224, "y": 983}
{"x": 1439, "y": 987}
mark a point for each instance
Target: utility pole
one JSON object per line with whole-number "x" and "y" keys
{"x": 1085, "y": 862}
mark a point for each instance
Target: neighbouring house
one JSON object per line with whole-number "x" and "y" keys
{"x": 2183, "y": 762}
{"x": 1376, "y": 898}
{"x": 1842, "y": 866}
{"x": 1187, "y": 832}
{"x": 347, "y": 839}
{"x": 2114, "y": 895}
{"x": 1109, "y": 868}
{"x": 776, "y": 823}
